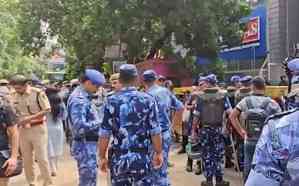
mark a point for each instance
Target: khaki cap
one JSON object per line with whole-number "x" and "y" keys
{"x": 114, "y": 77}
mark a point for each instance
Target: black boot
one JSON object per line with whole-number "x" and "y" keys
{"x": 222, "y": 183}
{"x": 189, "y": 165}
{"x": 198, "y": 170}
{"x": 206, "y": 183}
{"x": 184, "y": 144}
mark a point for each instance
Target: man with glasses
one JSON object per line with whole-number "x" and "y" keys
{"x": 85, "y": 124}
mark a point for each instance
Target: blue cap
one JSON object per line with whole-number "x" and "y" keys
{"x": 235, "y": 79}
{"x": 149, "y": 75}
{"x": 293, "y": 66}
{"x": 246, "y": 79}
{"x": 96, "y": 77}
{"x": 128, "y": 70}
{"x": 212, "y": 78}
{"x": 201, "y": 79}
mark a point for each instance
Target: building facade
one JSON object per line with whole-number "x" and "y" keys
{"x": 283, "y": 31}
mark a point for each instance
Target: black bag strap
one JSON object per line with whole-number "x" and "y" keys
{"x": 37, "y": 100}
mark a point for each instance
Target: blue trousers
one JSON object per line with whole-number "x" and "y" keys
{"x": 161, "y": 175}
{"x": 85, "y": 153}
{"x": 212, "y": 150}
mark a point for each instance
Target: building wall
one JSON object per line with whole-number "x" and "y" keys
{"x": 277, "y": 31}
{"x": 292, "y": 24}
{"x": 283, "y": 33}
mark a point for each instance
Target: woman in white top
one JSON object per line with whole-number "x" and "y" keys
{"x": 55, "y": 128}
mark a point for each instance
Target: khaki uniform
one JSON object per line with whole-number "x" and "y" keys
{"x": 33, "y": 136}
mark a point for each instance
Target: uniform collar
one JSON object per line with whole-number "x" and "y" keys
{"x": 131, "y": 88}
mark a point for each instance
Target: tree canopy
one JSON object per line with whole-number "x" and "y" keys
{"x": 86, "y": 27}
{"x": 12, "y": 59}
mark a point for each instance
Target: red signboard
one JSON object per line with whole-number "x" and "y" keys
{"x": 252, "y": 31}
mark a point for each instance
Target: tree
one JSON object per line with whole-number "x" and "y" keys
{"x": 86, "y": 27}
{"x": 82, "y": 27}
{"x": 12, "y": 60}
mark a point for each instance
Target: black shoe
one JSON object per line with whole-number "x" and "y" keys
{"x": 198, "y": 171}
{"x": 189, "y": 165}
{"x": 182, "y": 151}
{"x": 223, "y": 183}
{"x": 205, "y": 183}
{"x": 189, "y": 168}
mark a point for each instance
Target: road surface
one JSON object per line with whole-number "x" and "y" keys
{"x": 67, "y": 174}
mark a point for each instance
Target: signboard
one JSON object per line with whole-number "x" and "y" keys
{"x": 252, "y": 31}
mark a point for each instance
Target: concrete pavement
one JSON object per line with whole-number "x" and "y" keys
{"x": 67, "y": 174}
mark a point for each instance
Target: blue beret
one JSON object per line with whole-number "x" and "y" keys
{"x": 211, "y": 78}
{"x": 96, "y": 77}
{"x": 293, "y": 66}
{"x": 149, "y": 75}
{"x": 235, "y": 79}
{"x": 128, "y": 70}
{"x": 246, "y": 79}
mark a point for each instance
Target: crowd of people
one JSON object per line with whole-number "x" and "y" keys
{"x": 128, "y": 130}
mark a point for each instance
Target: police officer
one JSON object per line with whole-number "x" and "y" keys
{"x": 115, "y": 84}
{"x": 245, "y": 89}
{"x": 131, "y": 117}
{"x": 166, "y": 102}
{"x": 85, "y": 124}
{"x": 257, "y": 100}
{"x": 276, "y": 156}
{"x": 32, "y": 105}
{"x": 231, "y": 90}
{"x": 9, "y": 138}
{"x": 291, "y": 98}
{"x": 209, "y": 116}
{"x": 202, "y": 85}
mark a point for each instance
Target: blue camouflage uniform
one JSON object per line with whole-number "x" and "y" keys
{"x": 131, "y": 118}
{"x": 85, "y": 123}
{"x": 293, "y": 97}
{"x": 166, "y": 102}
{"x": 276, "y": 159}
{"x": 211, "y": 141}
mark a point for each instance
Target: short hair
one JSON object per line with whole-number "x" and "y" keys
{"x": 123, "y": 79}
{"x": 259, "y": 83}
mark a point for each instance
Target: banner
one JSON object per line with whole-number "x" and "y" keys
{"x": 252, "y": 31}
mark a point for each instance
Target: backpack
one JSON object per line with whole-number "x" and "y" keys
{"x": 255, "y": 118}
{"x": 212, "y": 108}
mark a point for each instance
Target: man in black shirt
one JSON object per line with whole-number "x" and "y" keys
{"x": 9, "y": 137}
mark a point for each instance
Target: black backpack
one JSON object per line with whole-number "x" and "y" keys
{"x": 212, "y": 108}
{"x": 255, "y": 118}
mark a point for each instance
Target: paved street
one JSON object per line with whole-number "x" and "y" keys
{"x": 67, "y": 175}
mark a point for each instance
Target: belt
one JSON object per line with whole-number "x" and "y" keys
{"x": 87, "y": 138}
{"x": 134, "y": 150}
{"x": 36, "y": 123}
